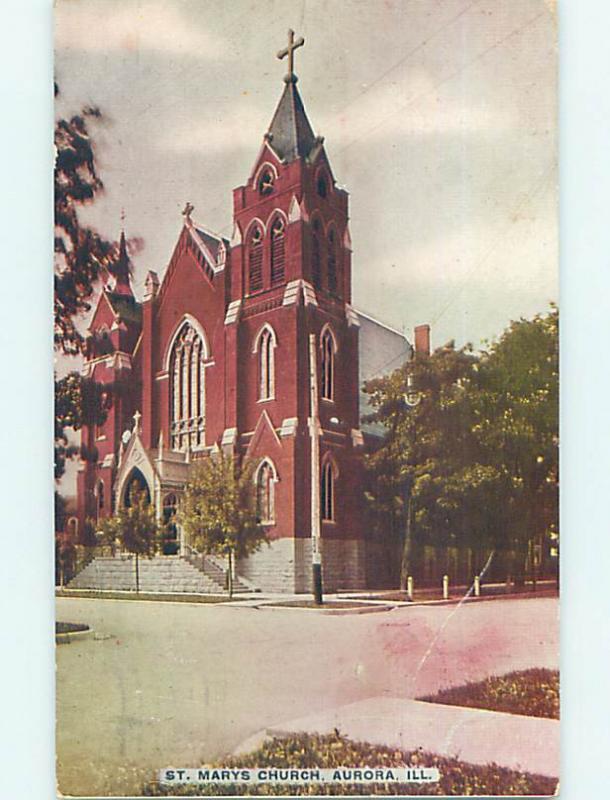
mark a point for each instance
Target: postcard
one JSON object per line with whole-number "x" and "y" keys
{"x": 306, "y": 398}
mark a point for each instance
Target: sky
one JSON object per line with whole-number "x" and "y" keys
{"x": 438, "y": 117}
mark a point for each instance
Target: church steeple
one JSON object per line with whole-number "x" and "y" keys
{"x": 290, "y": 134}
{"x": 121, "y": 270}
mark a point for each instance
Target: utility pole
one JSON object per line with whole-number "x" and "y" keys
{"x": 314, "y": 432}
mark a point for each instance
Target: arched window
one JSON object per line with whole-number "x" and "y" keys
{"x": 265, "y": 493}
{"x": 100, "y": 496}
{"x": 327, "y": 345}
{"x": 322, "y": 186}
{"x": 265, "y": 346}
{"x": 170, "y": 534}
{"x": 188, "y": 389}
{"x": 277, "y": 251}
{"x": 255, "y": 260}
{"x": 316, "y": 255}
{"x": 332, "y": 262}
{"x": 266, "y": 181}
{"x": 327, "y": 491}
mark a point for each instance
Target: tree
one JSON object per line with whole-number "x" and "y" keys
{"x": 80, "y": 252}
{"x": 516, "y": 404}
{"x": 218, "y": 509}
{"x": 134, "y": 527}
{"x": 80, "y": 255}
{"x": 474, "y": 462}
{"x": 425, "y": 443}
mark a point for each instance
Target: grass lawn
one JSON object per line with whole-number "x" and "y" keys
{"x": 533, "y": 692}
{"x": 167, "y": 598}
{"x": 334, "y": 750}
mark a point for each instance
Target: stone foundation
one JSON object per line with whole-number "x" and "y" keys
{"x": 284, "y": 565}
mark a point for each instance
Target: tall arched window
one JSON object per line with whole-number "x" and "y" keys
{"x": 327, "y": 345}
{"x": 316, "y": 255}
{"x": 327, "y": 491}
{"x": 332, "y": 262}
{"x": 170, "y": 534}
{"x": 265, "y": 493}
{"x": 255, "y": 260}
{"x": 188, "y": 389}
{"x": 265, "y": 347}
{"x": 100, "y": 497}
{"x": 278, "y": 230}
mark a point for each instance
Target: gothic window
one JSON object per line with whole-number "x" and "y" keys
{"x": 265, "y": 182}
{"x": 265, "y": 346}
{"x": 265, "y": 493}
{"x": 170, "y": 537}
{"x": 332, "y": 262}
{"x": 316, "y": 255}
{"x": 100, "y": 496}
{"x": 278, "y": 231}
{"x": 327, "y": 345}
{"x": 255, "y": 260}
{"x": 327, "y": 491}
{"x": 322, "y": 186}
{"x": 187, "y": 394}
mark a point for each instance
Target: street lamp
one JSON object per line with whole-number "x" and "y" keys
{"x": 412, "y": 398}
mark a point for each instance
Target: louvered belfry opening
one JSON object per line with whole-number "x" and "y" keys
{"x": 316, "y": 256}
{"x": 332, "y": 263}
{"x": 278, "y": 251}
{"x": 255, "y": 261}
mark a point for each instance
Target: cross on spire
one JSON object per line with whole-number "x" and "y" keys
{"x": 289, "y": 51}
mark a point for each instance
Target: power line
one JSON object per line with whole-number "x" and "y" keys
{"x": 408, "y": 55}
{"x": 453, "y": 75}
{"x": 538, "y": 186}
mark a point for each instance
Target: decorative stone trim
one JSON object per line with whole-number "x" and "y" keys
{"x": 233, "y": 310}
{"x": 289, "y": 426}
{"x": 294, "y": 212}
{"x": 236, "y": 238}
{"x": 229, "y": 437}
{"x": 309, "y": 294}
{"x": 351, "y": 316}
{"x": 109, "y": 460}
{"x": 357, "y": 438}
{"x": 291, "y": 293}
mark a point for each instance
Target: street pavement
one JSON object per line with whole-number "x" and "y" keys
{"x": 172, "y": 684}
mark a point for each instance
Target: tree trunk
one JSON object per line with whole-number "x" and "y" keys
{"x": 230, "y": 574}
{"x": 137, "y": 575}
{"x": 405, "y": 564}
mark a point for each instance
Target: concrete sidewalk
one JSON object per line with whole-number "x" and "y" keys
{"x": 526, "y": 744}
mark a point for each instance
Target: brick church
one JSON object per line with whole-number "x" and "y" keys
{"x": 218, "y": 354}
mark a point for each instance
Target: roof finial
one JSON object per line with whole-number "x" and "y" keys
{"x": 186, "y": 213}
{"x": 289, "y": 51}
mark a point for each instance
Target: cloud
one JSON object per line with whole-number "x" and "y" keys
{"x": 102, "y": 26}
{"x": 377, "y": 115}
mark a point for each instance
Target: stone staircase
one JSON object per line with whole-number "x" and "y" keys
{"x": 157, "y": 574}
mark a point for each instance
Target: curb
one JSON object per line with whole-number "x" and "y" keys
{"x": 73, "y": 636}
{"x": 376, "y": 609}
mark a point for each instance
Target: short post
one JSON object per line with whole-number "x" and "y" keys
{"x": 410, "y": 588}
{"x": 477, "y": 586}
{"x": 445, "y": 587}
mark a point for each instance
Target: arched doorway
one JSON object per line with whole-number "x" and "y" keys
{"x": 136, "y": 483}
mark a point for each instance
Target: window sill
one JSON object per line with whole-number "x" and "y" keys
{"x": 327, "y": 400}
{"x": 329, "y": 522}
{"x": 265, "y": 400}
{"x": 266, "y": 523}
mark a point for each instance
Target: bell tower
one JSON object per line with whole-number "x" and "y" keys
{"x": 291, "y": 279}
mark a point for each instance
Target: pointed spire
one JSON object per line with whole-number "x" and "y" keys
{"x": 290, "y": 134}
{"x": 121, "y": 269}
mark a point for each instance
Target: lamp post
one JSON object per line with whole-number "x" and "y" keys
{"x": 314, "y": 432}
{"x": 411, "y": 399}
